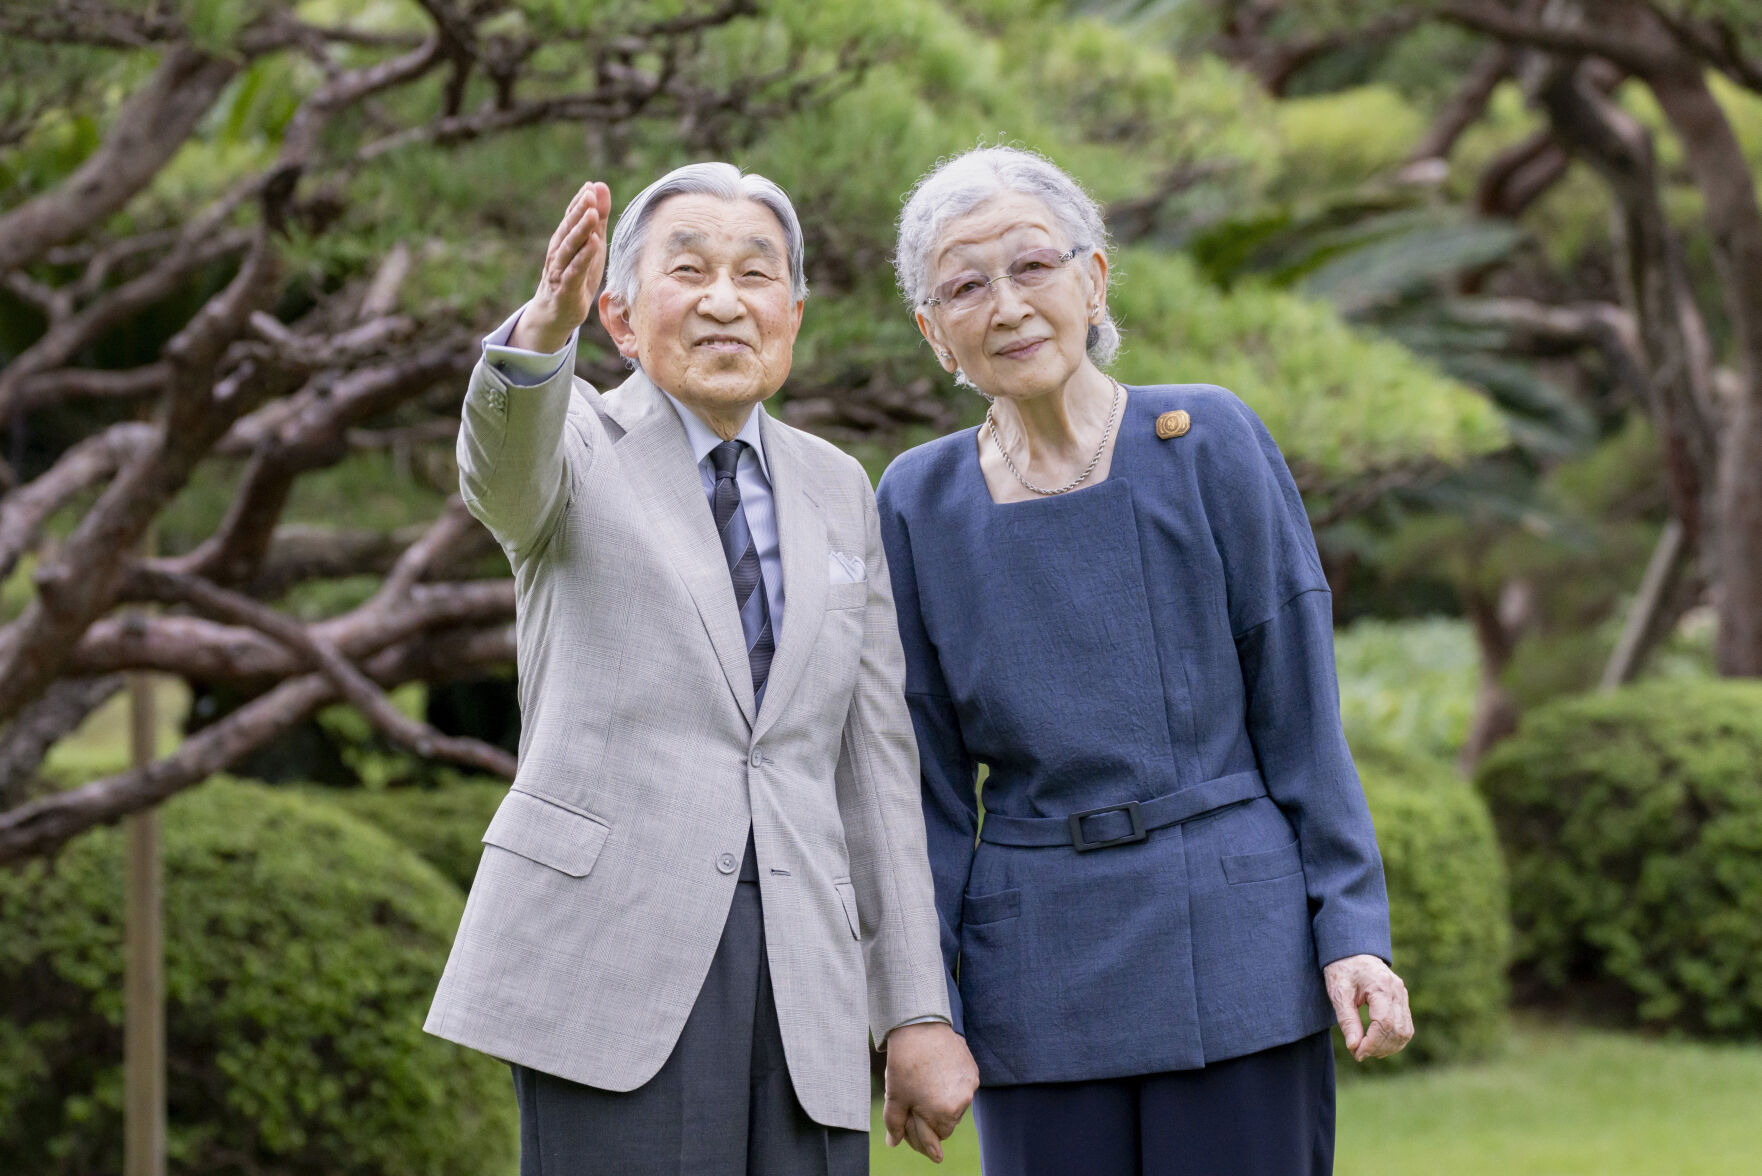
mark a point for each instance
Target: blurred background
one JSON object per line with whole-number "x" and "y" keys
{"x": 1490, "y": 270}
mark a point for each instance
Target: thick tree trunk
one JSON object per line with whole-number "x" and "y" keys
{"x": 1657, "y": 289}
{"x": 1723, "y": 176}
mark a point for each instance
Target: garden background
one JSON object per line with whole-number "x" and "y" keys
{"x": 1490, "y": 270}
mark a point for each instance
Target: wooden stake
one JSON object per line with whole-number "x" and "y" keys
{"x": 144, "y": 969}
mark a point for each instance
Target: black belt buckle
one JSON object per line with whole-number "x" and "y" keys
{"x": 1130, "y": 808}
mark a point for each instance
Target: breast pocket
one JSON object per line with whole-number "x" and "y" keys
{"x": 564, "y": 839}
{"x": 846, "y": 595}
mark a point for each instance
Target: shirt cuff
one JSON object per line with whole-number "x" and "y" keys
{"x": 915, "y": 1021}
{"x": 524, "y": 369}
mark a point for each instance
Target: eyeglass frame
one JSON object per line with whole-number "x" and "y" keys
{"x": 1064, "y": 259}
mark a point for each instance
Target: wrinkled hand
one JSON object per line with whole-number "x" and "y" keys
{"x": 575, "y": 261}
{"x": 1364, "y": 979}
{"x": 930, "y": 1081}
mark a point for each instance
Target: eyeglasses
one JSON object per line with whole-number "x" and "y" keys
{"x": 967, "y": 292}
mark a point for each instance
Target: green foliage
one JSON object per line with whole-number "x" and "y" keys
{"x": 1325, "y": 144}
{"x": 444, "y": 825}
{"x": 1408, "y": 684}
{"x": 302, "y": 949}
{"x": 1338, "y": 400}
{"x": 1633, "y": 823}
{"x": 1448, "y": 907}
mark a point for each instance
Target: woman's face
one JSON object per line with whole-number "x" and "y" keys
{"x": 1014, "y": 340}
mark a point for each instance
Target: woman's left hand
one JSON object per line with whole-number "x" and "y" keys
{"x": 1364, "y": 979}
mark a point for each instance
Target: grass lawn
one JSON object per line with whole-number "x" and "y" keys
{"x": 1560, "y": 1102}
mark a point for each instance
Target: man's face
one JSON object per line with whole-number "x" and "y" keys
{"x": 714, "y": 322}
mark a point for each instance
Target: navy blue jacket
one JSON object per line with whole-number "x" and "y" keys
{"x": 1163, "y": 637}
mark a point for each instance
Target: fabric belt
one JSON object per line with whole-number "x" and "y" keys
{"x": 1122, "y": 824}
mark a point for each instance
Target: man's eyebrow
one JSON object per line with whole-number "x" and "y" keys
{"x": 765, "y": 247}
{"x": 685, "y": 239}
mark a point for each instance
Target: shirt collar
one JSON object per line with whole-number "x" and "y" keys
{"x": 702, "y": 439}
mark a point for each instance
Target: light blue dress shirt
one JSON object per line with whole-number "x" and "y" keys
{"x": 527, "y": 369}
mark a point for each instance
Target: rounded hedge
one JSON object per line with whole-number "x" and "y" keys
{"x": 444, "y": 824}
{"x": 302, "y": 947}
{"x": 1448, "y": 906}
{"x": 1633, "y": 823}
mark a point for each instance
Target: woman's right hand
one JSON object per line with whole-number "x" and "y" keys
{"x": 574, "y": 263}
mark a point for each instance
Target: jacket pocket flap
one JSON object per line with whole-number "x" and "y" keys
{"x": 546, "y": 833}
{"x": 991, "y": 908}
{"x": 847, "y": 894}
{"x": 1264, "y": 866}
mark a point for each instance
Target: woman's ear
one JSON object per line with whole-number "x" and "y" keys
{"x": 615, "y": 316}
{"x": 943, "y": 354}
{"x": 1095, "y": 268}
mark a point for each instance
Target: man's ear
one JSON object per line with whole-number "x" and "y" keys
{"x": 943, "y": 355}
{"x": 615, "y": 317}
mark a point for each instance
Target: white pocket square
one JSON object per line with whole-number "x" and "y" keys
{"x": 843, "y": 568}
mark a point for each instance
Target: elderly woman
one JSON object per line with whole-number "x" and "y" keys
{"x": 1111, "y": 598}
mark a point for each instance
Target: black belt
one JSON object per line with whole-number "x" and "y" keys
{"x": 1122, "y": 824}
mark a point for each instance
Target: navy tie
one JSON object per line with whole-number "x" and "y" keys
{"x": 742, "y": 554}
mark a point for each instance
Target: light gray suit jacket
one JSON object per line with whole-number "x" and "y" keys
{"x": 609, "y": 868}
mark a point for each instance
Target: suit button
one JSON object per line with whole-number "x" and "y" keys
{"x": 727, "y": 863}
{"x": 758, "y": 758}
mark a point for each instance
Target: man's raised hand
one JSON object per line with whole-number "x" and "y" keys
{"x": 575, "y": 261}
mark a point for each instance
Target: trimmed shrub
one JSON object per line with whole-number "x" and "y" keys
{"x": 1633, "y": 823}
{"x": 443, "y": 825}
{"x": 1448, "y": 906}
{"x": 1408, "y": 684}
{"x": 302, "y": 947}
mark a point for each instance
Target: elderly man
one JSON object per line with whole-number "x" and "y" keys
{"x": 709, "y": 877}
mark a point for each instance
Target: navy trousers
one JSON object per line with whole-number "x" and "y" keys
{"x": 1266, "y": 1114}
{"x": 722, "y": 1105}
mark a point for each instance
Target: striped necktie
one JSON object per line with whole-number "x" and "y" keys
{"x": 742, "y": 554}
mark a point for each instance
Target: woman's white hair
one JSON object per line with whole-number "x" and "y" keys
{"x": 697, "y": 179}
{"x": 958, "y": 185}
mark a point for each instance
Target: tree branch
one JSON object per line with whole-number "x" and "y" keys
{"x": 24, "y": 510}
{"x": 354, "y": 686}
{"x": 1601, "y": 325}
{"x": 43, "y": 724}
{"x": 1464, "y": 107}
{"x": 310, "y": 434}
{"x": 41, "y": 826}
{"x": 149, "y": 129}
{"x": 1642, "y": 50}
{"x": 205, "y": 650}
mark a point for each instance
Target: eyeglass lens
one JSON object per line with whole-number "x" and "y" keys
{"x": 1031, "y": 269}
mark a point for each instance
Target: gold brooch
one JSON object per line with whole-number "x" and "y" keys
{"x": 1173, "y": 424}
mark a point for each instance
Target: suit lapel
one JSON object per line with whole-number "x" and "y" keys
{"x": 656, "y": 460}
{"x": 801, "y": 538}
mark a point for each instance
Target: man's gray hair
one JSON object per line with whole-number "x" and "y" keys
{"x": 958, "y": 185}
{"x": 697, "y": 179}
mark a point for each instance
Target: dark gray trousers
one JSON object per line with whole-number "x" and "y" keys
{"x": 1266, "y": 1114}
{"x": 722, "y": 1105}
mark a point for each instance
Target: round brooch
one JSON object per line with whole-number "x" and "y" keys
{"x": 1173, "y": 424}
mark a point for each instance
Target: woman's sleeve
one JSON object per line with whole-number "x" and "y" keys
{"x": 1281, "y": 615}
{"x": 949, "y": 777}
